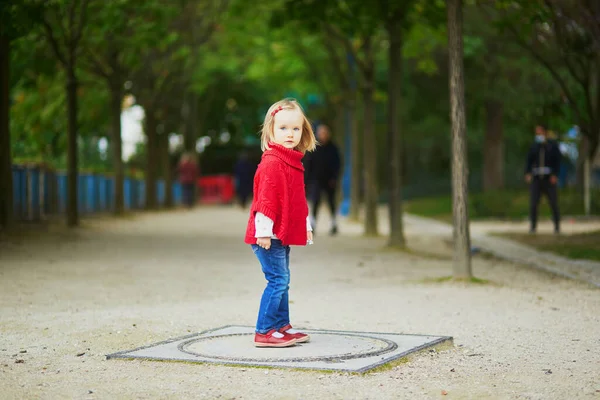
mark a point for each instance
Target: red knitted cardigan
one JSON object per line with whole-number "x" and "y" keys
{"x": 279, "y": 194}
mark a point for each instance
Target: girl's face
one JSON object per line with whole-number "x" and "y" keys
{"x": 287, "y": 128}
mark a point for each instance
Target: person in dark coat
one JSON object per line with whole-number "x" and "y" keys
{"x": 322, "y": 174}
{"x": 188, "y": 175}
{"x": 541, "y": 172}
{"x": 243, "y": 172}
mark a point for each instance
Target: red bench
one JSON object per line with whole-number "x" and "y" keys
{"x": 216, "y": 189}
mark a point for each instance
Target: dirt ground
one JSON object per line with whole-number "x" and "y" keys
{"x": 68, "y": 298}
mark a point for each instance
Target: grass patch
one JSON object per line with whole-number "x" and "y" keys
{"x": 386, "y": 367}
{"x": 579, "y": 246}
{"x": 504, "y": 204}
{"x": 443, "y": 346}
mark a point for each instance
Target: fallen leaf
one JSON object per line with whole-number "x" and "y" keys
{"x": 444, "y": 393}
{"x": 452, "y": 370}
{"x": 80, "y": 354}
{"x": 19, "y": 361}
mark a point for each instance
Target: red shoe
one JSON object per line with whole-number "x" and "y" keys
{"x": 300, "y": 337}
{"x": 273, "y": 339}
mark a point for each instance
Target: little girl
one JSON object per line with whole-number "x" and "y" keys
{"x": 279, "y": 217}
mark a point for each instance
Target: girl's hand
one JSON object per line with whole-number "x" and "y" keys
{"x": 264, "y": 242}
{"x": 309, "y": 237}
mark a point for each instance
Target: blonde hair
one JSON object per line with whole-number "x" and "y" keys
{"x": 308, "y": 142}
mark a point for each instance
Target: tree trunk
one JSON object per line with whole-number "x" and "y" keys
{"x": 152, "y": 157}
{"x": 369, "y": 145}
{"x": 191, "y": 128}
{"x": 166, "y": 167}
{"x": 462, "y": 245}
{"x": 493, "y": 147}
{"x": 355, "y": 178}
{"x": 395, "y": 135}
{"x": 339, "y": 133}
{"x": 339, "y": 123}
{"x": 6, "y": 186}
{"x": 72, "y": 172}
{"x": 116, "y": 98}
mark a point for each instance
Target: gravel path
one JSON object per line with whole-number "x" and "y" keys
{"x": 69, "y": 298}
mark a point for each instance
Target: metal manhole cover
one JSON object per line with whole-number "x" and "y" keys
{"x": 323, "y": 346}
{"x": 327, "y": 350}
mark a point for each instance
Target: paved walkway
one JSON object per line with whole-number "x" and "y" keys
{"x": 69, "y": 298}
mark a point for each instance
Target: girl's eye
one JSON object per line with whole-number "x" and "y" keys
{"x": 296, "y": 129}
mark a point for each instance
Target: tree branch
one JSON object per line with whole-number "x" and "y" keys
{"x": 347, "y": 45}
{"x": 559, "y": 79}
{"x": 70, "y": 34}
{"x": 544, "y": 62}
{"x": 344, "y": 77}
{"x": 96, "y": 65}
{"x": 82, "y": 21}
{"x": 316, "y": 76}
{"x": 562, "y": 44}
{"x": 53, "y": 43}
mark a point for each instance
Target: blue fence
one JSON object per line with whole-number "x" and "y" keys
{"x": 38, "y": 192}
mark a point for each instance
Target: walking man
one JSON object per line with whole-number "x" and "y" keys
{"x": 541, "y": 172}
{"x": 322, "y": 173}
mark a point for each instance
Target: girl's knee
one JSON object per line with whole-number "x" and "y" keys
{"x": 279, "y": 285}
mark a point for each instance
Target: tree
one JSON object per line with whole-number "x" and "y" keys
{"x": 563, "y": 37}
{"x": 341, "y": 95}
{"x": 6, "y": 190}
{"x": 364, "y": 57}
{"x": 64, "y": 23}
{"x": 394, "y": 15}
{"x": 162, "y": 68}
{"x": 355, "y": 27}
{"x": 120, "y": 29}
{"x": 462, "y": 246}
{"x": 198, "y": 24}
{"x": 16, "y": 18}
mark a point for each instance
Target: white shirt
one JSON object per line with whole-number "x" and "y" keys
{"x": 264, "y": 226}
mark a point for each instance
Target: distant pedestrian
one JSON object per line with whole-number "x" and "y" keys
{"x": 322, "y": 171}
{"x": 243, "y": 172}
{"x": 188, "y": 176}
{"x": 541, "y": 172}
{"x": 279, "y": 217}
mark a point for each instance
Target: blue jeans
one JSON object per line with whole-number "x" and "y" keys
{"x": 274, "y": 311}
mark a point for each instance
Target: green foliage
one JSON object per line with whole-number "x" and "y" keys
{"x": 17, "y": 17}
{"x": 255, "y": 54}
{"x": 555, "y": 36}
{"x": 38, "y": 125}
{"x": 422, "y": 43}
